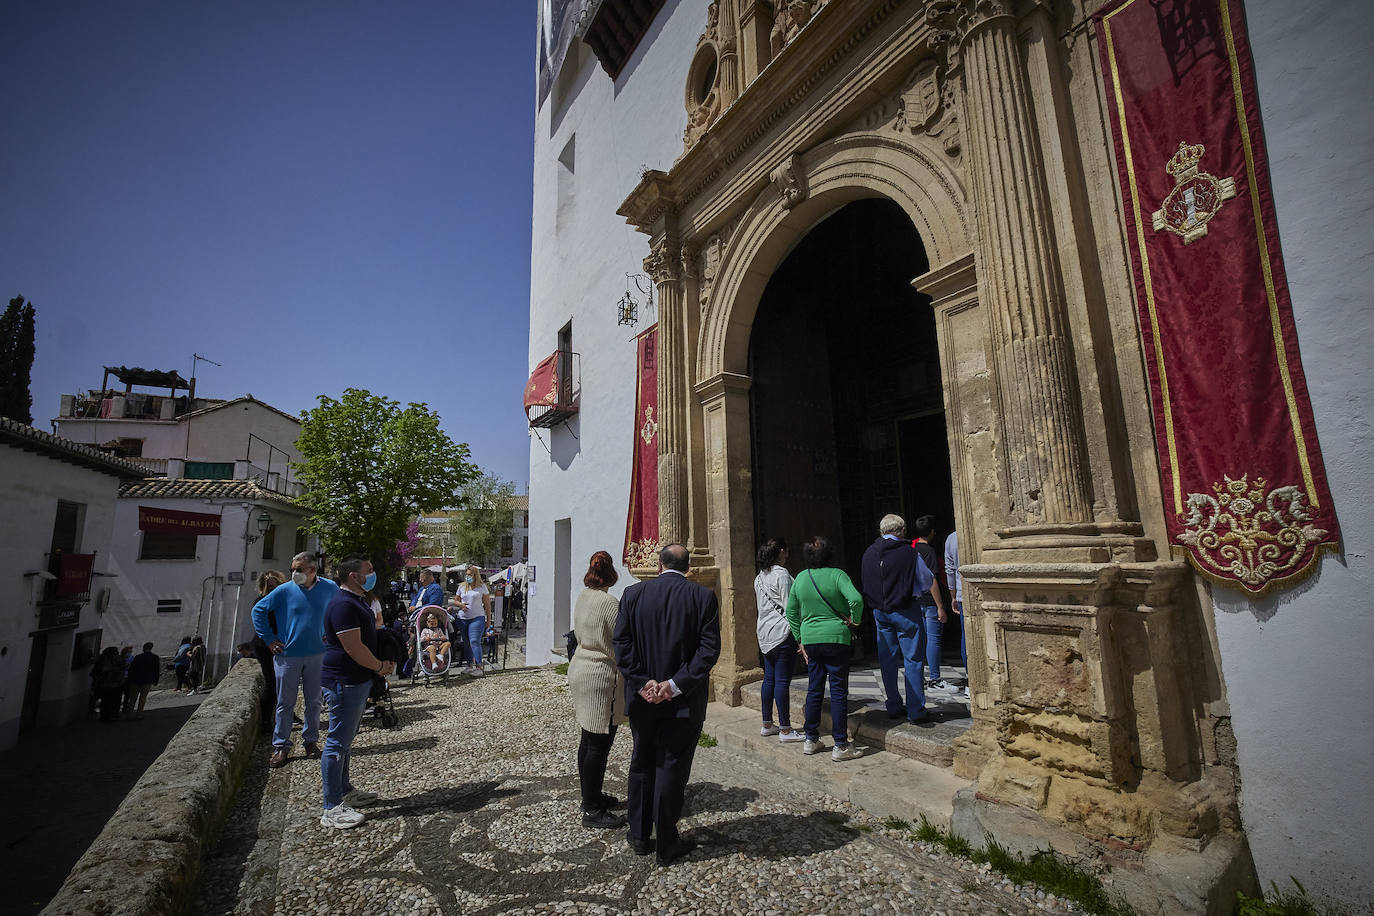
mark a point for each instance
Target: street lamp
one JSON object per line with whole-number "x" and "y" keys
{"x": 264, "y": 523}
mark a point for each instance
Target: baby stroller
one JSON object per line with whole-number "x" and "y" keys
{"x": 442, "y": 662}
{"x": 389, "y": 649}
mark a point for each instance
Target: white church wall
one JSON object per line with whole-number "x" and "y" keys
{"x": 1296, "y": 664}
{"x": 581, "y": 253}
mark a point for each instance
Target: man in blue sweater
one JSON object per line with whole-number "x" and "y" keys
{"x": 290, "y": 619}
{"x": 430, "y": 592}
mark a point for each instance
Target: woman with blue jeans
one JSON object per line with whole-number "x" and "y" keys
{"x": 776, "y": 645}
{"x": 822, "y": 609}
{"x": 350, "y": 664}
{"x": 474, "y": 606}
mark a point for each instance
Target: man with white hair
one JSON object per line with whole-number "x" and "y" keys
{"x": 431, "y": 592}
{"x": 290, "y": 619}
{"x": 896, "y": 580}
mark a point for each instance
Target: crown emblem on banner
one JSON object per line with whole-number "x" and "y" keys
{"x": 1186, "y": 159}
{"x": 1196, "y": 196}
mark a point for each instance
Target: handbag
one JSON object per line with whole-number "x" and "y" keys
{"x": 849, "y": 622}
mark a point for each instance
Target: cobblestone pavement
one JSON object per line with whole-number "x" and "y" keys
{"x": 479, "y": 814}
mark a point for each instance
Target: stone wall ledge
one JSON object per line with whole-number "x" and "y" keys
{"x": 146, "y": 861}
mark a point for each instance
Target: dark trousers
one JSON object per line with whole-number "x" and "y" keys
{"x": 592, "y": 753}
{"x": 828, "y": 660}
{"x": 183, "y": 673}
{"x": 268, "y": 702}
{"x": 777, "y": 682}
{"x": 110, "y": 700}
{"x": 659, "y": 768}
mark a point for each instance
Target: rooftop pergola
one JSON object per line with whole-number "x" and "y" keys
{"x": 151, "y": 378}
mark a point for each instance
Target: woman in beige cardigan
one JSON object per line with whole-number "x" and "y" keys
{"x": 598, "y": 690}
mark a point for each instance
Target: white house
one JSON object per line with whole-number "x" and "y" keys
{"x": 57, "y": 570}
{"x": 187, "y": 554}
{"x": 778, "y": 143}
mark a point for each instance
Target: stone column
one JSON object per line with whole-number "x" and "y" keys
{"x": 727, "y": 26}
{"x": 1018, "y": 275}
{"x": 664, "y": 265}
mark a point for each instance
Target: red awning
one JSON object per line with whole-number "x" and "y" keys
{"x": 169, "y": 521}
{"x": 542, "y": 390}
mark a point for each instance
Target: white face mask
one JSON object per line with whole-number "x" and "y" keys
{"x": 299, "y": 578}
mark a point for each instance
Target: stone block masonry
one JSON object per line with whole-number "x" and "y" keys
{"x": 146, "y": 862}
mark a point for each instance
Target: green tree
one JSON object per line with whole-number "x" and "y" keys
{"x": 488, "y": 510}
{"x": 367, "y": 465}
{"x": 16, "y": 360}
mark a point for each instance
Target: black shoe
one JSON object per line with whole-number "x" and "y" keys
{"x": 602, "y": 819}
{"x": 896, "y": 713}
{"x": 610, "y": 801}
{"x": 684, "y": 848}
{"x": 638, "y": 848}
{"x": 926, "y": 721}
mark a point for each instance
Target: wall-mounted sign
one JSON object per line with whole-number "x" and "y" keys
{"x": 59, "y": 616}
{"x": 74, "y": 574}
{"x": 170, "y": 521}
{"x": 234, "y": 577}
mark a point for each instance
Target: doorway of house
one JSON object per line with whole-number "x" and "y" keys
{"x": 33, "y": 683}
{"x": 846, "y": 402}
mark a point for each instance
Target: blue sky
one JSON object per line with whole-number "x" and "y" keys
{"x": 316, "y": 195}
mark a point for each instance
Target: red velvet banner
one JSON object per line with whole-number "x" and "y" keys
{"x": 542, "y": 390}
{"x": 1245, "y": 489}
{"x": 74, "y": 574}
{"x": 641, "y": 528}
{"x": 169, "y": 521}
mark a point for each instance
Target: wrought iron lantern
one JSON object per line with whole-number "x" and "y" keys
{"x": 627, "y": 309}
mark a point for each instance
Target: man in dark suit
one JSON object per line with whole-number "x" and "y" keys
{"x": 667, "y": 638}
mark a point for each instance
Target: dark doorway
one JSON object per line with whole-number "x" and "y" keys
{"x": 33, "y": 685}
{"x": 846, "y": 404}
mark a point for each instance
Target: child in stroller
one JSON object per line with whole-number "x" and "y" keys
{"x": 434, "y": 642}
{"x": 433, "y": 648}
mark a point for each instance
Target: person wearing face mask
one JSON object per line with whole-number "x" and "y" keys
{"x": 290, "y": 619}
{"x": 350, "y": 663}
{"x": 474, "y": 606}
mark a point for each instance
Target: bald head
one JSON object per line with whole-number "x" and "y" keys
{"x": 674, "y": 557}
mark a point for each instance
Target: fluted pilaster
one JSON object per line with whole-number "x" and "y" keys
{"x": 728, "y": 30}
{"x": 664, "y": 265}
{"x": 1018, "y": 276}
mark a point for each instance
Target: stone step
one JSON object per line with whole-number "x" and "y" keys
{"x": 882, "y": 783}
{"x": 869, "y": 725}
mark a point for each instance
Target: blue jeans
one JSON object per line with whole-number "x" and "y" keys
{"x": 295, "y": 672}
{"x": 934, "y": 636}
{"x": 474, "y": 630}
{"x": 902, "y": 637}
{"x": 828, "y": 660}
{"x": 777, "y": 682}
{"x": 963, "y": 639}
{"x": 347, "y": 702}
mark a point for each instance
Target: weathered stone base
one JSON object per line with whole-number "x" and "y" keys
{"x": 147, "y": 859}
{"x": 1162, "y": 880}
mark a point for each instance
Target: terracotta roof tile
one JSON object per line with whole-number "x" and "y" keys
{"x": 182, "y": 488}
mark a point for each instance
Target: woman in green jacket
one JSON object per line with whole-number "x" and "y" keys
{"x": 822, "y": 607}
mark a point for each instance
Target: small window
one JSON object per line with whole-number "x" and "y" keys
{"x": 507, "y": 545}
{"x": 158, "y": 545}
{"x": 525, "y": 521}
{"x": 169, "y": 605}
{"x": 300, "y": 542}
{"x": 525, "y": 550}
{"x": 269, "y": 543}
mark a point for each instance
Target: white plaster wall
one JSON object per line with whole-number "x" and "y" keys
{"x": 211, "y": 606}
{"x": 30, "y": 486}
{"x": 1297, "y": 666}
{"x": 581, "y": 253}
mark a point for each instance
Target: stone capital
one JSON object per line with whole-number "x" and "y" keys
{"x": 664, "y": 263}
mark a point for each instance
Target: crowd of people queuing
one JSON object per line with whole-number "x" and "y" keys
{"x": 121, "y": 681}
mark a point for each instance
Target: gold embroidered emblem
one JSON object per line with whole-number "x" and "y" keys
{"x": 1196, "y": 196}
{"x": 650, "y": 427}
{"x": 1248, "y": 533}
{"x": 641, "y": 554}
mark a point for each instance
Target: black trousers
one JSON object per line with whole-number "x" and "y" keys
{"x": 592, "y": 753}
{"x": 660, "y": 765}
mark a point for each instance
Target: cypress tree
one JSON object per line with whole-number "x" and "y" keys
{"x": 16, "y": 360}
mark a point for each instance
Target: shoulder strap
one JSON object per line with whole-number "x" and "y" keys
{"x": 812, "y": 576}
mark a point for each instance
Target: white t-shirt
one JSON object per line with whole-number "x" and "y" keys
{"x": 471, "y": 599}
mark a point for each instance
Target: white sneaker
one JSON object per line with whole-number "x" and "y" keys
{"x": 845, "y": 753}
{"x": 769, "y": 731}
{"x": 342, "y": 817}
{"x": 477, "y": 672}
{"x": 938, "y": 685}
{"x": 360, "y": 798}
{"x": 812, "y": 747}
{"x": 966, "y": 694}
{"x": 791, "y": 737}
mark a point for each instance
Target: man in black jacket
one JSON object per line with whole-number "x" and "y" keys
{"x": 667, "y": 638}
{"x": 897, "y": 583}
